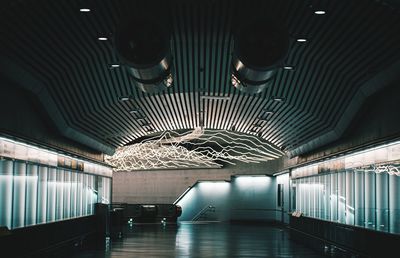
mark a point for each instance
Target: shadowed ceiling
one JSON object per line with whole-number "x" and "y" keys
{"x": 52, "y": 49}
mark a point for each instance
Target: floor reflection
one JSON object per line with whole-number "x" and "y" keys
{"x": 204, "y": 240}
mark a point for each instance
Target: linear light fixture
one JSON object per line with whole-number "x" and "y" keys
{"x": 84, "y": 10}
{"x": 301, "y": 40}
{"x": 216, "y": 97}
{"x": 278, "y": 99}
{"x": 244, "y": 175}
{"x": 320, "y": 12}
{"x": 102, "y": 38}
{"x": 288, "y": 67}
{"x": 124, "y": 98}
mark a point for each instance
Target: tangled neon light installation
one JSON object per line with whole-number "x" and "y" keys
{"x": 197, "y": 149}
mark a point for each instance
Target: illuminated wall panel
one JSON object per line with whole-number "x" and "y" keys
{"x": 6, "y": 188}
{"x": 364, "y": 198}
{"x": 253, "y": 198}
{"x": 203, "y": 195}
{"x": 382, "y": 201}
{"x": 42, "y": 195}
{"x": 19, "y": 188}
{"x": 39, "y": 186}
{"x": 60, "y": 185}
{"x": 74, "y": 189}
{"x": 370, "y": 199}
{"x": 51, "y": 195}
{"x": 394, "y": 204}
{"x": 31, "y": 194}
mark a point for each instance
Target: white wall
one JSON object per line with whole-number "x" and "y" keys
{"x": 243, "y": 198}
{"x": 253, "y": 198}
{"x": 203, "y": 195}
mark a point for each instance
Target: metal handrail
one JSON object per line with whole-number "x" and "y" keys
{"x": 206, "y": 209}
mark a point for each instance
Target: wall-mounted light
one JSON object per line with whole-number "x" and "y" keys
{"x": 84, "y": 10}
{"x": 320, "y": 12}
{"x": 102, "y": 38}
{"x": 301, "y": 40}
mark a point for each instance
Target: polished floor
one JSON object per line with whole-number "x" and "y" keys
{"x": 204, "y": 240}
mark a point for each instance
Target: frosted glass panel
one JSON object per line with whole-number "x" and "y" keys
{"x": 51, "y": 195}
{"x": 370, "y": 214}
{"x": 42, "y": 194}
{"x": 359, "y": 198}
{"x": 67, "y": 194}
{"x": 382, "y": 202}
{"x": 19, "y": 190}
{"x": 334, "y": 197}
{"x": 74, "y": 189}
{"x": 394, "y": 203}
{"x": 60, "y": 195}
{"x": 6, "y": 183}
{"x": 326, "y": 194}
{"x": 85, "y": 193}
{"x": 31, "y": 194}
{"x": 79, "y": 196}
{"x": 350, "y": 210}
{"x": 362, "y": 197}
{"x": 342, "y": 197}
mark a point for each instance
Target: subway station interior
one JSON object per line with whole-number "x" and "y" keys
{"x": 213, "y": 128}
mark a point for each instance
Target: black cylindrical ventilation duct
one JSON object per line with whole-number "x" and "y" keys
{"x": 144, "y": 47}
{"x": 259, "y": 50}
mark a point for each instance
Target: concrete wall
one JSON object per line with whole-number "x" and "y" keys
{"x": 160, "y": 186}
{"x": 165, "y": 186}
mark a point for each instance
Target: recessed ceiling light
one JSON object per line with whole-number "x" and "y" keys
{"x": 278, "y": 99}
{"x": 115, "y": 65}
{"x": 103, "y": 38}
{"x": 124, "y": 98}
{"x": 320, "y": 12}
{"x": 288, "y": 67}
{"x": 301, "y": 40}
{"x": 84, "y": 10}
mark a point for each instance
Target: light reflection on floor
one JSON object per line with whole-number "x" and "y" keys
{"x": 204, "y": 240}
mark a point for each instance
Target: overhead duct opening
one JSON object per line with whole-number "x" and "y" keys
{"x": 144, "y": 47}
{"x": 259, "y": 50}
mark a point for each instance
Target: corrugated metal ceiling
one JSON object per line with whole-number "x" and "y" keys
{"x": 59, "y": 46}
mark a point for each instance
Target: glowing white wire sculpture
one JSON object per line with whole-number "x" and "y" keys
{"x": 390, "y": 169}
{"x": 197, "y": 149}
